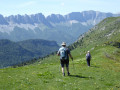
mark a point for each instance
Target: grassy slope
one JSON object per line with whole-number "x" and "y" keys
{"x": 104, "y": 73}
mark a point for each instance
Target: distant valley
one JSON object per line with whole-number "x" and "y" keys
{"x": 12, "y": 53}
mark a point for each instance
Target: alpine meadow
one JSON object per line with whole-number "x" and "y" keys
{"x": 103, "y": 41}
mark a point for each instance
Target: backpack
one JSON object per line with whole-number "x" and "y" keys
{"x": 63, "y": 53}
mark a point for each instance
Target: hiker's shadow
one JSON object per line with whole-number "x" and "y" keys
{"x": 78, "y": 76}
{"x": 95, "y": 66}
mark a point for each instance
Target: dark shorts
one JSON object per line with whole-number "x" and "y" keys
{"x": 64, "y": 62}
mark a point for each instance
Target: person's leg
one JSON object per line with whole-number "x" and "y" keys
{"x": 88, "y": 62}
{"x": 68, "y": 71}
{"x": 62, "y": 65}
{"x": 63, "y": 71}
{"x": 67, "y": 67}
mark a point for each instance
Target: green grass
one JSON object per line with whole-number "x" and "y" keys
{"x": 104, "y": 73}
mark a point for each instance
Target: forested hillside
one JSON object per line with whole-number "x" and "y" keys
{"x": 12, "y": 53}
{"x": 105, "y": 33}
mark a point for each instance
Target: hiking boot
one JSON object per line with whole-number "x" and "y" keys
{"x": 68, "y": 74}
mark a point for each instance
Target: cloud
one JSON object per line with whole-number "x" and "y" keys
{"x": 26, "y": 4}
{"x": 62, "y": 4}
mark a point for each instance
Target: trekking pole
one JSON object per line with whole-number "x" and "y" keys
{"x": 73, "y": 65}
{"x": 59, "y": 68}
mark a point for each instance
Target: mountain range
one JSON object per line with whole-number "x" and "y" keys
{"x": 53, "y": 27}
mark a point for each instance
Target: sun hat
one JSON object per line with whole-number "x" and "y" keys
{"x": 63, "y": 44}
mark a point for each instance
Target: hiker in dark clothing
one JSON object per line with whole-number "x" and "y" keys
{"x": 64, "y": 54}
{"x": 88, "y": 58}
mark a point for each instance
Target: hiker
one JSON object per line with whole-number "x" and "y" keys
{"x": 88, "y": 58}
{"x": 64, "y": 54}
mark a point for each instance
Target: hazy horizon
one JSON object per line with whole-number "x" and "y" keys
{"x": 63, "y": 7}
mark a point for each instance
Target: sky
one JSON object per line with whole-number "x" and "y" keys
{"x": 63, "y": 7}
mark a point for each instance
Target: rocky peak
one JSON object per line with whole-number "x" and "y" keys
{"x": 3, "y": 21}
{"x": 55, "y": 18}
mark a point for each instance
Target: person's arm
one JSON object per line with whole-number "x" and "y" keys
{"x": 70, "y": 56}
{"x": 58, "y": 53}
{"x": 90, "y": 56}
{"x": 86, "y": 56}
